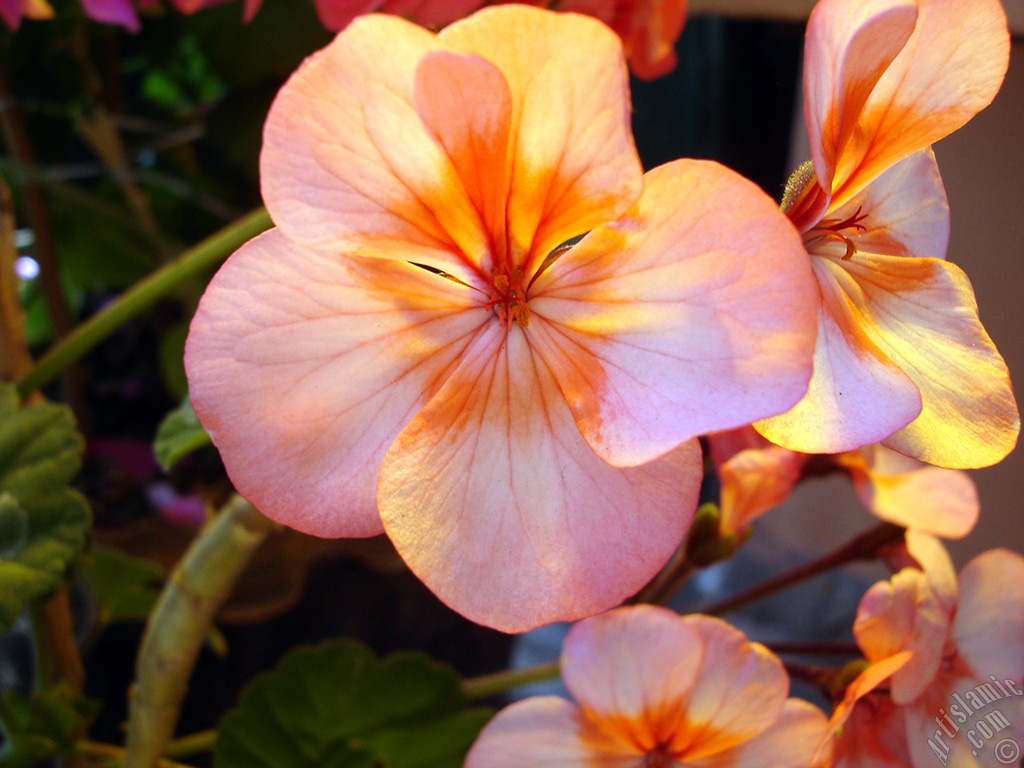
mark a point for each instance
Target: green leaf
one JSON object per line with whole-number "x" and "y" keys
{"x": 43, "y": 726}
{"x": 125, "y": 588}
{"x": 43, "y": 522}
{"x": 179, "y": 434}
{"x": 339, "y": 706}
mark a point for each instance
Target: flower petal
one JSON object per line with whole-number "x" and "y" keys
{"x": 901, "y": 490}
{"x": 574, "y": 164}
{"x": 546, "y": 732}
{"x": 949, "y": 69}
{"x": 903, "y": 212}
{"x": 789, "y": 743}
{"x": 989, "y": 623}
{"x": 857, "y": 395}
{"x": 667, "y": 324}
{"x": 739, "y": 693}
{"x": 631, "y": 669}
{"x": 325, "y": 359}
{"x": 922, "y": 314}
{"x": 348, "y": 165}
{"x": 755, "y": 481}
{"x": 495, "y": 501}
{"x": 119, "y": 12}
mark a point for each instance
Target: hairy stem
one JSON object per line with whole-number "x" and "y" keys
{"x": 498, "y": 682}
{"x": 182, "y": 618}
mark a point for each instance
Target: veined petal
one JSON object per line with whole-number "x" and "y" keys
{"x": 574, "y": 165}
{"x": 326, "y": 359}
{"x": 755, "y": 481}
{"x": 739, "y": 693}
{"x": 679, "y": 319}
{"x": 989, "y": 625}
{"x": 874, "y": 736}
{"x": 465, "y": 102}
{"x": 849, "y": 45}
{"x": 631, "y": 670}
{"x": 922, "y": 314}
{"x": 948, "y": 70}
{"x": 903, "y": 212}
{"x": 857, "y": 395}
{"x": 790, "y": 742}
{"x": 901, "y": 490}
{"x": 546, "y": 732}
{"x": 348, "y": 165}
{"x": 494, "y": 500}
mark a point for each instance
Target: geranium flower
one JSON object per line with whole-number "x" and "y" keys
{"x": 947, "y": 665}
{"x": 901, "y": 356}
{"x": 13, "y": 11}
{"x": 658, "y": 690}
{"x": 411, "y": 350}
{"x": 756, "y": 476}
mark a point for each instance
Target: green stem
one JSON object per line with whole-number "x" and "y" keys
{"x": 180, "y": 622}
{"x": 113, "y": 755}
{"x": 202, "y": 741}
{"x": 865, "y": 546}
{"x": 489, "y": 685}
{"x": 194, "y": 261}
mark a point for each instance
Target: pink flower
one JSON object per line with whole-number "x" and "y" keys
{"x": 655, "y": 689}
{"x": 901, "y": 356}
{"x": 757, "y": 476}
{"x": 13, "y": 11}
{"x": 953, "y": 659}
{"x": 411, "y": 351}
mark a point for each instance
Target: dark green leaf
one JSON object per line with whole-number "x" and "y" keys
{"x": 125, "y": 588}
{"x": 43, "y": 726}
{"x": 43, "y": 522}
{"x": 179, "y": 434}
{"x": 339, "y": 705}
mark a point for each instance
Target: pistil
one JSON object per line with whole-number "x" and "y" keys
{"x": 508, "y": 300}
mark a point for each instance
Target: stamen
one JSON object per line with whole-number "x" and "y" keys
{"x": 834, "y": 229}
{"x": 509, "y": 300}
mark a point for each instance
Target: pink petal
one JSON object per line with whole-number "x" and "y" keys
{"x": 335, "y": 15}
{"x": 878, "y": 106}
{"x": 740, "y": 692}
{"x": 903, "y": 212}
{"x": 857, "y": 395}
{"x": 495, "y": 501}
{"x": 755, "y": 481}
{"x": 573, "y": 161}
{"x": 431, "y": 13}
{"x": 874, "y": 737}
{"x": 304, "y": 366}
{"x": 922, "y": 314}
{"x": 348, "y": 165}
{"x": 113, "y": 12}
{"x": 790, "y": 742}
{"x": 667, "y": 324}
{"x": 901, "y": 490}
{"x": 632, "y": 670}
{"x": 989, "y": 624}
{"x": 546, "y": 732}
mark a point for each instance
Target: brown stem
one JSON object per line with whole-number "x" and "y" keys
{"x": 15, "y": 360}
{"x": 55, "y": 639}
{"x": 865, "y": 546}
{"x": 667, "y": 582}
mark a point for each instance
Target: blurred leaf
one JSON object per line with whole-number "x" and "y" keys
{"x": 43, "y": 726}
{"x": 339, "y": 706}
{"x": 45, "y": 521}
{"x": 179, "y": 434}
{"x": 172, "y": 354}
{"x": 125, "y": 587}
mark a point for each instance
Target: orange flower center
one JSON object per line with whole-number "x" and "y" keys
{"x": 508, "y": 299}
{"x": 659, "y": 757}
{"x": 841, "y": 230}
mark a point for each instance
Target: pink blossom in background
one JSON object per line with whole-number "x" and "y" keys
{"x": 656, "y": 689}
{"x": 757, "y": 476}
{"x": 946, "y": 654}
{"x": 901, "y": 356}
{"x": 13, "y": 11}
{"x": 411, "y": 351}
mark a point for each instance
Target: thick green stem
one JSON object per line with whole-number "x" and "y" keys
{"x": 196, "y": 260}
{"x": 489, "y": 685}
{"x": 179, "y": 623}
